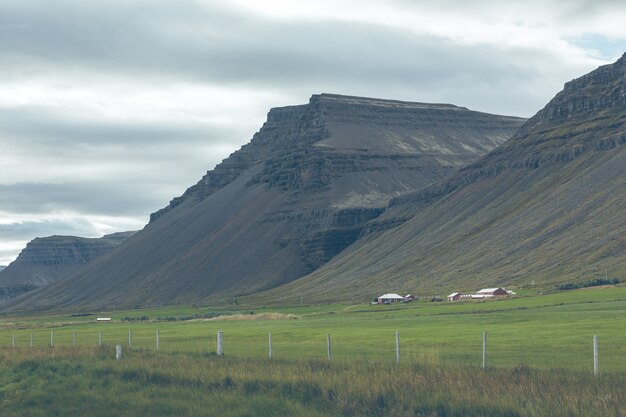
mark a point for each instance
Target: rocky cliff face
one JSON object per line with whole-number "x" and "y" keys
{"x": 302, "y": 148}
{"x": 323, "y": 147}
{"x": 586, "y": 116}
{"x": 545, "y": 207}
{"x": 298, "y": 194}
{"x": 312, "y": 149}
{"x": 600, "y": 90}
{"x": 45, "y": 260}
{"x": 286, "y": 129}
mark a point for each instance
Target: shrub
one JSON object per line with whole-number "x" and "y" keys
{"x": 586, "y": 284}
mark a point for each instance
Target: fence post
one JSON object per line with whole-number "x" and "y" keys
{"x": 397, "y": 347}
{"x": 118, "y": 352}
{"x": 99, "y": 338}
{"x": 220, "y": 343}
{"x": 157, "y": 339}
{"x": 270, "y": 344}
{"x": 31, "y": 340}
{"x": 484, "y": 350}
{"x": 13, "y": 340}
{"x": 74, "y": 339}
{"x": 330, "y": 354}
{"x": 51, "y": 338}
{"x": 596, "y": 370}
{"x": 130, "y": 338}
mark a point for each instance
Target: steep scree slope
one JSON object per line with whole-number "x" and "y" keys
{"x": 546, "y": 207}
{"x": 287, "y": 202}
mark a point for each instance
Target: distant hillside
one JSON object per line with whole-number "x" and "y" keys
{"x": 48, "y": 259}
{"x": 283, "y": 205}
{"x": 2, "y": 267}
{"x": 545, "y": 208}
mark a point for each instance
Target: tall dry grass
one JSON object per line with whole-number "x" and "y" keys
{"x": 88, "y": 381}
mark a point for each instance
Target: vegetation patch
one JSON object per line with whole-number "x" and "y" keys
{"x": 261, "y": 316}
{"x": 48, "y": 382}
{"x": 196, "y": 316}
{"x": 587, "y": 284}
{"x": 136, "y": 318}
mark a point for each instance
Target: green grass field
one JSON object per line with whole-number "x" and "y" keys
{"x": 548, "y": 331}
{"x": 540, "y": 361}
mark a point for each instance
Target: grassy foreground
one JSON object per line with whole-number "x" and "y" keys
{"x": 539, "y": 348}
{"x": 542, "y": 332}
{"x": 87, "y": 381}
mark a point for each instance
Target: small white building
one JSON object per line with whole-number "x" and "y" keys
{"x": 492, "y": 292}
{"x": 390, "y": 298}
{"x": 480, "y": 296}
{"x": 455, "y": 296}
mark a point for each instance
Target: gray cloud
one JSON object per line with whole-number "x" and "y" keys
{"x": 209, "y": 44}
{"x": 144, "y": 37}
{"x": 52, "y": 128}
{"x": 105, "y": 198}
{"x": 104, "y": 168}
{"x": 18, "y": 231}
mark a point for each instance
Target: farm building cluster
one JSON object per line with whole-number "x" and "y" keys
{"x": 484, "y": 293}
{"x": 390, "y": 298}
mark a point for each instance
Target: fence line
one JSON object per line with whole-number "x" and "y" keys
{"x": 330, "y": 354}
{"x": 156, "y": 337}
{"x": 220, "y": 343}
{"x": 484, "y": 350}
{"x": 118, "y": 352}
{"x": 595, "y": 355}
{"x": 397, "y": 347}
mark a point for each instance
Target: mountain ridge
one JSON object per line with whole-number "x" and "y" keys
{"x": 544, "y": 208}
{"x": 46, "y": 259}
{"x": 230, "y": 168}
{"x": 286, "y": 203}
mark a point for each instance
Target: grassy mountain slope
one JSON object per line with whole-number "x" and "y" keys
{"x": 547, "y": 207}
{"x": 299, "y": 193}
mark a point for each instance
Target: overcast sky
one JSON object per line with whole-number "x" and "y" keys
{"x": 108, "y": 109}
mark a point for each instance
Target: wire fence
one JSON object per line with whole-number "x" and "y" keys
{"x": 574, "y": 352}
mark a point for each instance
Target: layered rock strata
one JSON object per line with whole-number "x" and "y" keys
{"x": 544, "y": 208}
{"x": 286, "y": 203}
{"x": 47, "y": 259}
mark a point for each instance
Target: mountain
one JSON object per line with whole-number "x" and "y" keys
{"x": 286, "y": 203}
{"x": 48, "y": 259}
{"x": 2, "y": 267}
{"x": 547, "y": 207}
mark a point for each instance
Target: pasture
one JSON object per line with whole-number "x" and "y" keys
{"x": 544, "y": 332}
{"x": 539, "y": 353}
